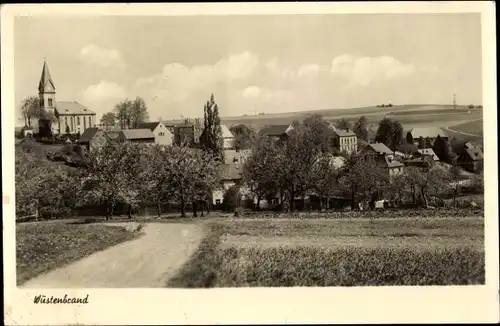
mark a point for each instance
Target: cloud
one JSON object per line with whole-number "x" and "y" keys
{"x": 251, "y": 92}
{"x": 364, "y": 71}
{"x": 308, "y": 70}
{"x": 177, "y": 83}
{"x": 102, "y": 57}
{"x": 104, "y": 91}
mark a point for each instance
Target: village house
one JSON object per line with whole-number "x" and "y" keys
{"x": 162, "y": 134}
{"x": 279, "y": 132}
{"x": 229, "y": 175}
{"x": 393, "y": 166}
{"x": 227, "y": 137}
{"x": 471, "y": 158}
{"x": 69, "y": 116}
{"x": 345, "y": 140}
{"x": 93, "y": 138}
{"x": 145, "y": 136}
{"x": 424, "y": 137}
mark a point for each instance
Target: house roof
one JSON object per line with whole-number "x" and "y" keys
{"x": 380, "y": 148}
{"x": 392, "y": 163}
{"x": 430, "y": 152}
{"x": 230, "y": 171}
{"x": 344, "y": 133}
{"x": 137, "y": 134}
{"x": 148, "y": 125}
{"x": 87, "y": 135}
{"x": 226, "y": 133}
{"x": 45, "y": 79}
{"x": 69, "y": 108}
{"x": 427, "y": 132}
{"x": 474, "y": 153}
{"x": 274, "y": 130}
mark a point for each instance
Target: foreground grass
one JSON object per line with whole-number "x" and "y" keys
{"x": 217, "y": 264}
{"x": 41, "y": 247}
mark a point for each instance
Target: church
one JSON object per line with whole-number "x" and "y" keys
{"x": 69, "y": 117}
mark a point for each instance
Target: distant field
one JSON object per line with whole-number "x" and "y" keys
{"x": 410, "y": 116}
{"x": 471, "y": 127}
{"x": 350, "y": 252}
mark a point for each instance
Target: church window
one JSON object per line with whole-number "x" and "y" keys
{"x": 78, "y": 121}
{"x": 50, "y": 102}
{"x": 90, "y": 121}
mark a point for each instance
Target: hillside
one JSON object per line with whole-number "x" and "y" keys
{"x": 410, "y": 116}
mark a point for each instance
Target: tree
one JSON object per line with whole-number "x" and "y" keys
{"x": 261, "y": 168}
{"x": 108, "y": 119}
{"x": 361, "y": 128}
{"x": 362, "y": 177}
{"x": 30, "y": 109}
{"x": 431, "y": 179}
{"x": 320, "y": 132}
{"x": 244, "y": 136}
{"x": 343, "y": 124}
{"x": 107, "y": 175}
{"x": 389, "y": 133}
{"x": 211, "y": 137}
{"x": 442, "y": 149}
{"x": 324, "y": 178}
{"x": 122, "y": 113}
{"x": 137, "y": 112}
{"x": 454, "y": 177}
{"x": 297, "y": 157}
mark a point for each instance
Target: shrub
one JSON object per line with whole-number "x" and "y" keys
{"x": 232, "y": 199}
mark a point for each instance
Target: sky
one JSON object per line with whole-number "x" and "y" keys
{"x": 252, "y": 64}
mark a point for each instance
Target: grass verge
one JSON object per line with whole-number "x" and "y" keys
{"x": 41, "y": 247}
{"x": 218, "y": 265}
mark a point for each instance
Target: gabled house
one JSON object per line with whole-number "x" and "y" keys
{"x": 227, "y": 137}
{"x": 137, "y": 136}
{"x": 162, "y": 134}
{"x": 393, "y": 166}
{"x": 93, "y": 138}
{"x": 425, "y": 137}
{"x": 471, "y": 158}
{"x": 276, "y": 131}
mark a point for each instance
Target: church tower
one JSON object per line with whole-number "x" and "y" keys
{"x": 47, "y": 91}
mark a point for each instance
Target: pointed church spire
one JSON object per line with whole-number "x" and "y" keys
{"x": 46, "y": 84}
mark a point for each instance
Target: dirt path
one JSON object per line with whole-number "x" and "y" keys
{"x": 146, "y": 262}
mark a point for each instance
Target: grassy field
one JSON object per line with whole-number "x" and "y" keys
{"x": 471, "y": 127}
{"x": 351, "y": 252}
{"x": 44, "y": 246}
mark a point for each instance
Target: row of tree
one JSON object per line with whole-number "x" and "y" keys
{"x": 124, "y": 173}
{"x": 127, "y": 114}
{"x": 304, "y": 165}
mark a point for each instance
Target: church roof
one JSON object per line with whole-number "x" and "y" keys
{"x": 69, "y": 108}
{"x": 45, "y": 80}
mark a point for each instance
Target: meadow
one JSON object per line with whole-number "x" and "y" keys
{"x": 472, "y": 127}
{"x": 346, "y": 252}
{"x": 44, "y": 246}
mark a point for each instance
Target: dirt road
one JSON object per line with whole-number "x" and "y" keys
{"x": 148, "y": 261}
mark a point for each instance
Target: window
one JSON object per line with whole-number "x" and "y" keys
{"x": 72, "y": 123}
{"x": 217, "y": 201}
{"x": 78, "y": 120}
{"x": 50, "y": 102}
{"x": 66, "y": 121}
{"x": 90, "y": 121}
